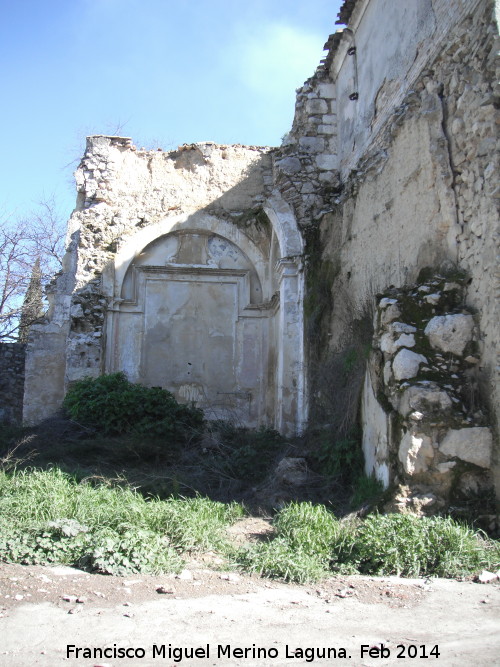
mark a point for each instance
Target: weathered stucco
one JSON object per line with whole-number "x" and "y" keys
{"x": 177, "y": 274}
{"x": 417, "y": 161}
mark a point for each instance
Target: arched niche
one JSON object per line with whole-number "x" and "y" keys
{"x": 214, "y": 315}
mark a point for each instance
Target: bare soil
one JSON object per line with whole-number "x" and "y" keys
{"x": 45, "y": 610}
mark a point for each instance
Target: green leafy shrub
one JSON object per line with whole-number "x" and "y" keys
{"x": 41, "y": 544}
{"x": 113, "y": 405}
{"x": 365, "y": 489}
{"x": 277, "y": 559}
{"x": 336, "y": 457}
{"x": 131, "y": 552}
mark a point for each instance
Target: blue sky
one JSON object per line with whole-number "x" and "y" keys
{"x": 164, "y": 72}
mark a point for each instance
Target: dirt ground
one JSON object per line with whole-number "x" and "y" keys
{"x": 205, "y": 617}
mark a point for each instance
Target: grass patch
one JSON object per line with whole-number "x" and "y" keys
{"x": 365, "y": 490}
{"x": 311, "y": 543}
{"x": 50, "y": 518}
{"x": 307, "y": 536}
{"x": 411, "y": 546}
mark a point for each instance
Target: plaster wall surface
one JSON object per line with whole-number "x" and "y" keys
{"x": 172, "y": 276}
{"x": 394, "y": 43}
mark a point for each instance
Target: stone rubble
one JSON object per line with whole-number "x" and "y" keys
{"x": 437, "y": 432}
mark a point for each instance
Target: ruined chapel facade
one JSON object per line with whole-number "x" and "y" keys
{"x": 229, "y": 274}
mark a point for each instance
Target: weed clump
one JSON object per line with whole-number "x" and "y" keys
{"x": 311, "y": 543}
{"x": 306, "y": 537}
{"x": 114, "y": 406}
{"x": 412, "y": 546}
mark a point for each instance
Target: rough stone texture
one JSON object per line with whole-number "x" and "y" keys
{"x": 469, "y": 444}
{"x": 424, "y": 410}
{"x": 417, "y": 161}
{"x": 292, "y": 471}
{"x": 424, "y": 398}
{"x": 406, "y": 364}
{"x": 12, "y": 358}
{"x": 415, "y": 453}
{"x": 449, "y": 333}
{"x": 183, "y": 270}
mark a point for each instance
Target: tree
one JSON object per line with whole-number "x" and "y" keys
{"x": 31, "y": 252}
{"x": 32, "y": 307}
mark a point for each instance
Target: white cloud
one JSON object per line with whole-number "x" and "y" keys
{"x": 278, "y": 59}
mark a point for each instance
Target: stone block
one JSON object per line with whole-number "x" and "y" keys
{"x": 329, "y": 119}
{"x": 469, "y": 444}
{"x": 415, "y": 453}
{"x": 292, "y": 471}
{"x": 312, "y": 144}
{"x": 390, "y": 345}
{"x": 289, "y": 165}
{"x": 406, "y": 364}
{"x": 317, "y": 106}
{"x": 385, "y": 302}
{"x": 327, "y": 162}
{"x": 450, "y": 333}
{"x": 424, "y": 398}
{"x": 328, "y": 177}
{"x": 327, "y": 129}
{"x": 327, "y": 90}
{"x": 390, "y": 314}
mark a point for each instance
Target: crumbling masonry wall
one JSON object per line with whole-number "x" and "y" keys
{"x": 182, "y": 268}
{"x": 417, "y": 152}
{"x": 389, "y": 168}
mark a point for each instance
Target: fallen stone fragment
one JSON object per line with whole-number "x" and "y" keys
{"x": 164, "y": 591}
{"x": 292, "y": 470}
{"x": 344, "y": 593}
{"x": 486, "y": 577}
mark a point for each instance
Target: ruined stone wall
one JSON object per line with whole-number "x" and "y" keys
{"x": 389, "y": 168}
{"x": 122, "y": 189}
{"x": 175, "y": 273}
{"x": 12, "y": 357}
{"x": 417, "y": 152}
